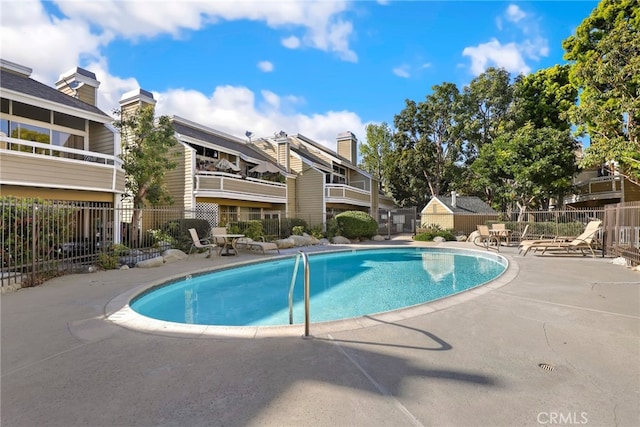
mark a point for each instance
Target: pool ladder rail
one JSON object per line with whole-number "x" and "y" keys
{"x": 305, "y": 262}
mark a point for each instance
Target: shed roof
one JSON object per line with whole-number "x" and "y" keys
{"x": 466, "y": 205}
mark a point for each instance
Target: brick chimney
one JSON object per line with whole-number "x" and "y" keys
{"x": 348, "y": 147}
{"x": 81, "y": 84}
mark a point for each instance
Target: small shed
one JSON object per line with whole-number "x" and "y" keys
{"x": 458, "y": 213}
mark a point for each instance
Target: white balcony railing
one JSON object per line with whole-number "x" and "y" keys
{"x": 342, "y": 193}
{"x": 34, "y": 164}
{"x": 233, "y": 186}
{"x": 21, "y": 146}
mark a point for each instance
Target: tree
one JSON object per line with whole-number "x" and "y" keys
{"x": 605, "y": 67}
{"x": 146, "y": 156}
{"x": 529, "y": 165}
{"x": 486, "y": 103}
{"x": 543, "y": 99}
{"x": 484, "y": 115}
{"x": 428, "y": 131}
{"x": 376, "y": 152}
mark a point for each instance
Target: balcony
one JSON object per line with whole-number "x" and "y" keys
{"x": 232, "y": 186}
{"x": 600, "y": 188}
{"x": 346, "y": 194}
{"x": 34, "y": 164}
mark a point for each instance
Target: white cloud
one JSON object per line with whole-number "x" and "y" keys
{"x": 265, "y": 66}
{"x": 512, "y": 56}
{"x": 52, "y": 45}
{"x": 234, "y": 109}
{"x": 402, "y": 71}
{"x": 492, "y": 53}
{"x": 291, "y": 42}
{"x": 319, "y": 21}
{"x": 514, "y": 13}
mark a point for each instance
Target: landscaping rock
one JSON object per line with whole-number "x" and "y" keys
{"x": 439, "y": 239}
{"x": 377, "y": 238}
{"x": 462, "y": 238}
{"x": 149, "y": 263}
{"x": 619, "y": 261}
{"x": 472, "y": 237}
{"x": 285, "y": 243}
{"x": 171, "y": 255}
{"x": 303, "y": 240}
{"x": 340, "y": 240}
{"x": 124, "y": 267}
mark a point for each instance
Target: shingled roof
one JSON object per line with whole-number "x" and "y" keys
{"x": 193, "y": 132}
{"x": 467, "y": 204}
{"x": 28, "y": 86}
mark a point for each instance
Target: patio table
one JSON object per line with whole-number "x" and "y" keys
{"x": 228, "y": 243}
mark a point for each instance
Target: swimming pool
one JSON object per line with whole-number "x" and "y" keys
{"x": 343, "y": 285}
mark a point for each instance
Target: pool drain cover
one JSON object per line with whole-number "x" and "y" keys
{"x": 546, "y": 366}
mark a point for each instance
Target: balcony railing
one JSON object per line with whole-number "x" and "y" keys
{"x": 600, "y": 188}
{"x": 233, "y": 186}
{"x": 32, "y": 163}
{"x": 341, "y": 193}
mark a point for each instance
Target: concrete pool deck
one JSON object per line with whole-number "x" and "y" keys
{"x": 475, "y": 362}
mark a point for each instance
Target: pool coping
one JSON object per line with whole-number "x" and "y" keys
{"x": 119, "y": 312}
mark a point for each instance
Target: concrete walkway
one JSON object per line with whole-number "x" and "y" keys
{"x": 473, "y": 363}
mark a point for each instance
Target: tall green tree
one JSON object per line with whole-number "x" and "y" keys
{"x": 543, "y": 98}
{"x": 528, "y": 166}
{"x": 486, "y": 102}
{"x": 146, "y": 156}
{"x": 429, "y": 133}
{"x": 376, "y": 152}
{"x": 605, "y": 67}
{"x": 484, "y": 116}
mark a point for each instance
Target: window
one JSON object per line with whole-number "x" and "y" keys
{"x": 69, "y": 121}
{"x": 31, "y": 112}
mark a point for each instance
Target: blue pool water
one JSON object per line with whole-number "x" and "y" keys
{"x": 342, "y": 285}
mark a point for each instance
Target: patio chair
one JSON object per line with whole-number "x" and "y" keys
{"x": 501, "y": 232}
{"x": 517, "y": 236}
{"x": 485, "y": 239}
{"x": 198, "y": 243}
{"x": 587, "y": 240}
{"x": 249, "y": 243}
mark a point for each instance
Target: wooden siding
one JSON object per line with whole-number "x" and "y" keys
{"x": 291, "y": 196}
{"x": 295, "y": 164}
{"x": 443, "y": 220}
{"x": 178, "y": 180}
{"x": 53, "y": 172}
{"x": 309, "y": 194}
{"x": 86, "y": 93}
{"x": 101, "y": 139}
{"x": 631, "y": 191}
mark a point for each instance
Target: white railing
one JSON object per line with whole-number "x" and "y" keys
{"x": 346, "y": 194}
{"x": 21, "y": 146}
{"x": 231, "y": 185}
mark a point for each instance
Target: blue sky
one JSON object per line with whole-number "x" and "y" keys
{"x": 315, "y": 67}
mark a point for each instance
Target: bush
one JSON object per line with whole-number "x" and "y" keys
{"x": 298, "y": 230}
{"x": 333, "y": 228}
{"x": 289, "y": 223}
{"x": 428, "y": 233}
{"x": 354, "y": 224}
{"x": 179, "y": 228}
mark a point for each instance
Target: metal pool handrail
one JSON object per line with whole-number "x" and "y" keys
{"x": 305, "y": 262}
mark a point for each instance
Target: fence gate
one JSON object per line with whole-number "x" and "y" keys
{"x": 622, "y": 231}
{"x": 397, "y": 221}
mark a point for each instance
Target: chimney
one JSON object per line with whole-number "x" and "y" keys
{"x": 132, "y": 100}
{"x": 348, "y": 147}
{"x": 282, "y": 150}
{"x": 453, "y": 199}
{"x": 81, "y": 84}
